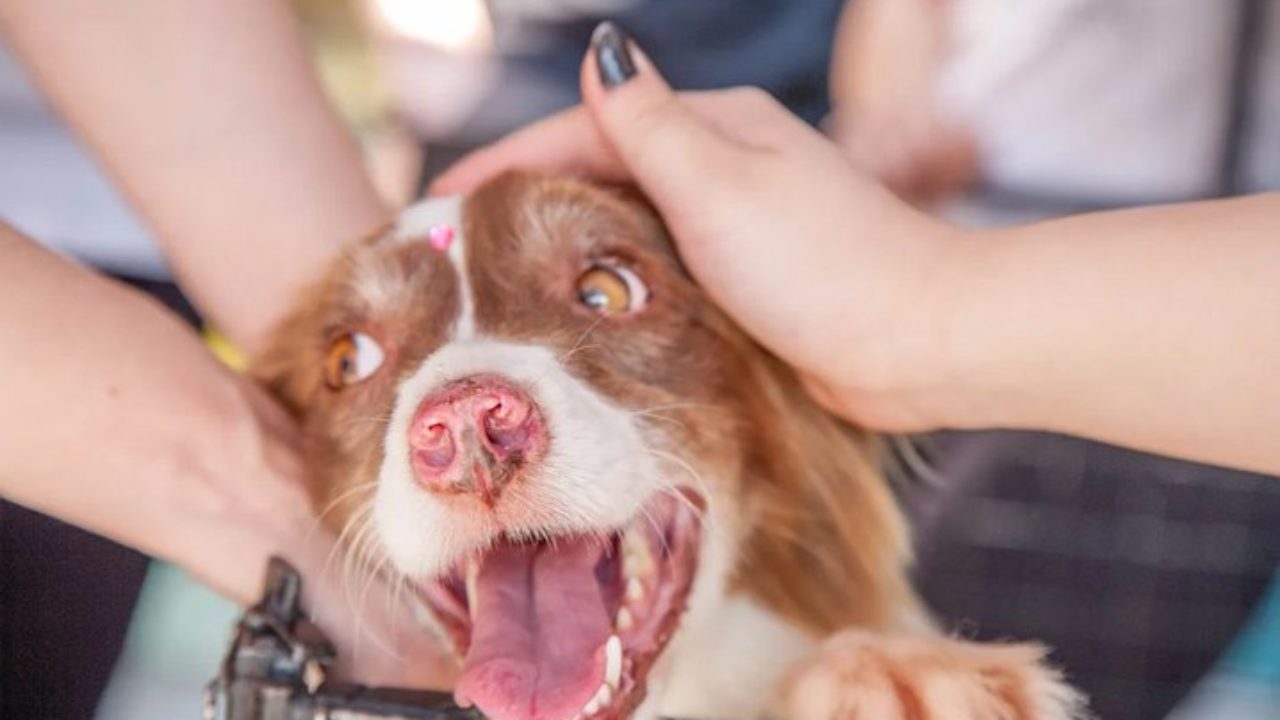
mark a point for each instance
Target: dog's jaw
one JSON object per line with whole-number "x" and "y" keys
{"x": 600, "y": 475}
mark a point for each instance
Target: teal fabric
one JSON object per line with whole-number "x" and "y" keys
{"x": 1245, "y": 685}
{"x": 1255, "y": 655}
{"x": 180, "y": 630}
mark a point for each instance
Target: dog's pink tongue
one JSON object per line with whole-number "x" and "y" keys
{"x": 538, "y": 632}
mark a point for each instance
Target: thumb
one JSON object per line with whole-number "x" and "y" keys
{"x": 672, "y": 154}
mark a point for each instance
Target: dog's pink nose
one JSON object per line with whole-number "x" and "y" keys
{"x": 474, "y": 436}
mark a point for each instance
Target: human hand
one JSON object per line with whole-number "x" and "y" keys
{"x": 817, "y": 261}
{"x": 368, "y": 616}
{"x": 117, "y": 419}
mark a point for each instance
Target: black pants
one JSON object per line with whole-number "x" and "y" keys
{"x": 1136, "y": 570}
{"x": 66, "y": 598}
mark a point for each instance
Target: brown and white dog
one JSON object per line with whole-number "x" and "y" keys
{"x": 612, "y": 500}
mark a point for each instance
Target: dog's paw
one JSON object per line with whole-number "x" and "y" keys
{"x": 864, "y": 676}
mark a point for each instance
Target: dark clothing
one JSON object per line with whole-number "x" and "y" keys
{"x": 1136, "y": 570}
{"x": 66, "y": 598}
{"x": 783, "y": 46}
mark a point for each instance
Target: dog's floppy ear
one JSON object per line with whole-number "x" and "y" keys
{"x": 829, "y": 545}
{"x": 290, "y": 366}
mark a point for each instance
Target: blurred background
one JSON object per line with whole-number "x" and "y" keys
{"x": 1154, "y": 581}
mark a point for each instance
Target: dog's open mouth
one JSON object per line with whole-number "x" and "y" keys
{"x": 569, "y": 627}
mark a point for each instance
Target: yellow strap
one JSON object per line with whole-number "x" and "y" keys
{"x": 224, "y": 350}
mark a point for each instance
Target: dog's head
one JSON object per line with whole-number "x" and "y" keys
{"x": 524, "y": 404}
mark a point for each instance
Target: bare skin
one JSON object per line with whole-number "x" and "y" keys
{"x": 210, "y": 118}
{"x": 116, "y": 418}
{"x": 1152, "y": 328}
{"x": 889, "y": 55}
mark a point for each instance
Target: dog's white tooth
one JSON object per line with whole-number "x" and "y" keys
{"x": 591, "y": 708}
{"x": 637, "y": 558}
{"x": 612, "y": 662}
{"x": 604, "y": 696}
{"x": 635, "y": 590}
{"x": 624, "y": 621}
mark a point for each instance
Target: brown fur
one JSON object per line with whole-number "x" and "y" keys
{"x": 343, "y": 432}
{"x": 827, "y": 545}
{"x": 824, "y": 544}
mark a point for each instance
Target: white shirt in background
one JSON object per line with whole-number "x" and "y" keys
{"x": 1120, "y": 101}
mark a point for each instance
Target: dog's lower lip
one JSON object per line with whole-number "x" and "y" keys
{"x": 640, "y": 577}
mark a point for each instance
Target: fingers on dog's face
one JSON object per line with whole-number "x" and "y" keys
{"x": 568, "y": 142}
{"x": 584, "y": 272}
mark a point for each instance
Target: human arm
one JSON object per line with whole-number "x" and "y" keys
{"x": 886, "y": 65}
{"x": 208, "y": 115}
{"x": 116, "y": 419}
{"x": 1154, "y": 328}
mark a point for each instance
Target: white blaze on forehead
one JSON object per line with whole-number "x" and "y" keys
{"x": 415, "y": 224}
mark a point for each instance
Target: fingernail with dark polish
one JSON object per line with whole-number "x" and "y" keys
{"x": 613, "y": 56}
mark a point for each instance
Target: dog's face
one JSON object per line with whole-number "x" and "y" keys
{"x": 523, "y": 403}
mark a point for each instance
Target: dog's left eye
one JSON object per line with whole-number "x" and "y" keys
{"x": 607, "y": 288}
{"x": 352, "y": 358}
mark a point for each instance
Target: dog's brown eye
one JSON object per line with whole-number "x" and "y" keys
{"x": 352, "y": 357}
{"x": 608, "y": 289}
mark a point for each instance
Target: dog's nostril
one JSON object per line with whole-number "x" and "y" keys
{"x": 435, "y": 446}
{"x": 474, "y": 436}
{"x": 506, "y": 423}
{"x": 507, "y": 433}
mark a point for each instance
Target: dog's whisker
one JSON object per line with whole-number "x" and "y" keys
{"x": 674, "y": 406}
{"x": 664, "y": 418}
{"x": 582, "y": 338}
{"x": 364, "y": 569}
{"x": 332, "y": 505}
{"x": 339, "y": 543}
{"x": 701, "y": 484}
{"x": 580, "y": 348}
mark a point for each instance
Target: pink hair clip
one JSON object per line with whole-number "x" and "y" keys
{"x": 440, "y": 237}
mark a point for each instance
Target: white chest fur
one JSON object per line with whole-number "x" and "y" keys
{"x": 729, "y": 664}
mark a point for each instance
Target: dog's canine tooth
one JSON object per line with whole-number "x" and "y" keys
{"x": 604, "y": 696}
{"x": 637, "y": 558}
{"x": 635, "y": 590}
{"x": 612, "y": 664}
{"x": 624, "y": 621}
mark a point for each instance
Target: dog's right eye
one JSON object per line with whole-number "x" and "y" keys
{"x": 352, "y": 358}
{"x": 607, "y": 288}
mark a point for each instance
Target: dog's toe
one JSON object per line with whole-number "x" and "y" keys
{"x": 863, "y": 676}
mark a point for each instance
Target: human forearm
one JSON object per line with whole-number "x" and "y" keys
{"x": 210, "y": 118}
{"x": 116, "y": 419}
{"x": 887, "y": 55}
{"x": 1153, "y": 328}
{"x": 885, "y": 110}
